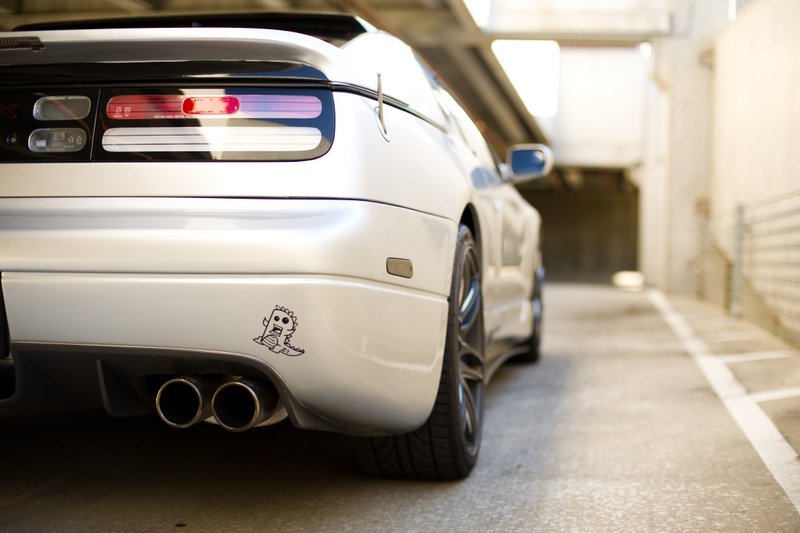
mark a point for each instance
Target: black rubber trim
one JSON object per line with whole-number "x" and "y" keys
{"x": 5, "y": 347}
{"x": 7, "y": 371}
{"x": 162, "y": 72}
{"x": 388, "y": 100}
{"x": 332, "y": 27}
{"x": 124, "y": 380}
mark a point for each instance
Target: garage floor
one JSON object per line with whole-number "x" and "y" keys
{"x": 616, "y": 429}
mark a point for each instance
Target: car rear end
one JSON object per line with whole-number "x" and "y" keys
{"x": 190, "y": 217}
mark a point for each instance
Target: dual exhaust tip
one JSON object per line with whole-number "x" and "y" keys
{"x": 237, "y": 405}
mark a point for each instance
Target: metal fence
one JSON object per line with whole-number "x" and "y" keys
{"x": 749, "y": 263}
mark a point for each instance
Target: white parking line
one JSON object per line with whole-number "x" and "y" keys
{"x": 702, "y": 320}
{"x": 736, "y": 336}
{"x": 779, "y": 394}
{"x": 754, "y": 356}
{"x": 778, "y": 456}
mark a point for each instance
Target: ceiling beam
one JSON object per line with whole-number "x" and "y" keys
{"x": 490, "y": 95}
{"x": 469, "y": 27}
{"x": 10, "y": 6}
{"x": 414, "y": 21}
{"x": 479, "y": 38}
{"x": 535, "y": 133}
{"x": 363, "y": 9}
{"x": 134, "y": 7}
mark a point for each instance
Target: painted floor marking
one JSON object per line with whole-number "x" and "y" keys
{"x": 739, "y": 336}
{"x": 779, "y": 394}
{"x": 703, "y": 322}
{"x": 755, "y": 356}
{"x": 778, "y": 456}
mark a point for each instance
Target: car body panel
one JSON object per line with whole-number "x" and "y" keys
{"x": 139, "y": 270}
{"x": 224, "y": 236}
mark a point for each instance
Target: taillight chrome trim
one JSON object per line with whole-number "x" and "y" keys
{"x": 212, "y": 139}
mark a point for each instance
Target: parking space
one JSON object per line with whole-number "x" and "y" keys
{"x": 616, "y": 429}
{"x": 754, "y": 374}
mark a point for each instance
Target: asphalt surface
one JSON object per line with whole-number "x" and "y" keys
{"x": 616, "y": 429}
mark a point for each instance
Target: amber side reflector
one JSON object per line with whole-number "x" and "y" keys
{"x": 399, "y": 267}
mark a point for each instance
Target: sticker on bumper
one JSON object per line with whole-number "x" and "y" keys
{"x": 278, "y": 330}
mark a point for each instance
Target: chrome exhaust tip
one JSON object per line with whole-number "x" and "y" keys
{"x": 183, "y": 401}
{"x": 241, "y": 404}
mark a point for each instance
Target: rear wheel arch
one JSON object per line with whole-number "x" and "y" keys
{"x": 446, "y": 446}
{"x": 469, "y": 218}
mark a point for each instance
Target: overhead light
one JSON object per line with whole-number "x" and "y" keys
{"x": 533, "y": 68}
{"x": 480, "y": 11}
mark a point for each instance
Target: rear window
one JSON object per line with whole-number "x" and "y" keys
{"x": 166, "y": 124}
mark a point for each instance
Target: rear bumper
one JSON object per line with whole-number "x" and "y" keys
{"x": 364, "y": 356}
{"x": 370, "y": 361}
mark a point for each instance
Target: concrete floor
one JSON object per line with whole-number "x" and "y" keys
{"x": 616, "y": 429}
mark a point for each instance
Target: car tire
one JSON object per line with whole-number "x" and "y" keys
{"x": 446, "y": 447}
{"x": 533, "y": 352}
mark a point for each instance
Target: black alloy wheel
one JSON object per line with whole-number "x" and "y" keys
{"x": 446, "y": 447}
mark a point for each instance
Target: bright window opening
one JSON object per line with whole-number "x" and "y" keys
{"x": 480, "y": 11}
{"x": 533, "y": 68}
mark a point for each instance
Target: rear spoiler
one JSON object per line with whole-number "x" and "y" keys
{"x": 177, "y": 45}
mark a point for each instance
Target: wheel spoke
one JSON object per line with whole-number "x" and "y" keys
{"x": 472, "y": 375}
{"x": 468, "y": 412}
{"x": 470, "y": 304}
{"x": 470, "y": 385}
{"x": 470, "y": 291}
{"x": 468, "y": 350}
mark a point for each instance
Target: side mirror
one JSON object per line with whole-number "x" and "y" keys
{"x": 525, "y": 162}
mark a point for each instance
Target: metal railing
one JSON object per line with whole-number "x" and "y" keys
{"x": 749, "y": 263}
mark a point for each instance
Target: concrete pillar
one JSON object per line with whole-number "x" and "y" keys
{"x": 677, "y": 168}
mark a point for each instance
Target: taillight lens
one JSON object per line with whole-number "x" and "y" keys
{"x": 47, "y": 124}
{"x": 244, "y": 124}
{"x": 62, "y": 107}
{"x": 162, "y": 107}
{"x": 57, "y": 140}
{"x": 210, "y": 105}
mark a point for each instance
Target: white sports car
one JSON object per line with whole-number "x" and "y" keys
{"x": 243, "y": 224}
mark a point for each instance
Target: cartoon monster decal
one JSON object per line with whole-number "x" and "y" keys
{"x": 278, "y": 329}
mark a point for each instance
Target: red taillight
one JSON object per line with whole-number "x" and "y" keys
{"x": 210, "y": 105}
{"x": 181, "y": 106}
{"x": 240, "y": 123}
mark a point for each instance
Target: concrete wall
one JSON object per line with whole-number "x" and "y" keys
{"x": 756, "y": 163}
{"x": 756, "y": 132}
{"x": 652, "y": 178}
{"x": 676, "y": 182}
{"x": 600, "y": 107}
